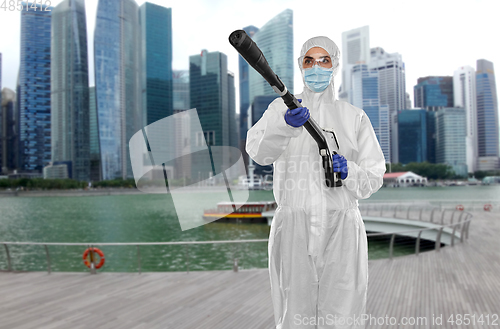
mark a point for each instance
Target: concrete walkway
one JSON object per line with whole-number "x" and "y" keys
{"x": 459, "y": 280}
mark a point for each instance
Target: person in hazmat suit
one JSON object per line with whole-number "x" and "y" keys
{"x": 318, "y": 250}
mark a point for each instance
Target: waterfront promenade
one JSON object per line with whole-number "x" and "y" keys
{"x": 464, "y": 279}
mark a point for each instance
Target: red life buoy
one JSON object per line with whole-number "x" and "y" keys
{"x": 487, "y": 207}
{"x": 96, "y": 251}
{"x": 460, "y": 207}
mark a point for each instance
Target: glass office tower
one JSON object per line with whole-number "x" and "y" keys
{"x": 451, "y": 139}
{"x": 181, "y": 90}
{"x": 364, "y": 92}
{"x": 244, "y": 95}
{"x": 8, "y": 131}
{"x": 34, "y": 89}
{"x": 355, "y": 50}
{"x": 212, "y": 94}
{"x": 392, "y": 89}
{"x": 156, "y": 29}
{"x": 95, "y": 153}
{"x": 412, "y": 125}
{"x": 2, "y": 128}
{"x": 70, "y": 89}
{"x": 464, "y": 94}
{"x": 487, "y": 116}
{"x": 433, "y": 92}
{"x": 275, "y": 39}
{"x": 117, "y": 61}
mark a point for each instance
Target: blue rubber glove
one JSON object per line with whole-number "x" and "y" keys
{"x": 340, "y": 165}
{"x": 297, "y": 117}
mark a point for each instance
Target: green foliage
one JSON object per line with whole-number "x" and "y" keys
{"x": 425, "y": 169}
{"x": 482, "y": 174}
{"x": 41, "y": 184}
{"x": 119, "y": 182}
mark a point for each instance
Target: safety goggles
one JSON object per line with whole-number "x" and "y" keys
{"x": 308, "y": 62}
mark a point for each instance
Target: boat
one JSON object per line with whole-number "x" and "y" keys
{"x": 246, "y": 212}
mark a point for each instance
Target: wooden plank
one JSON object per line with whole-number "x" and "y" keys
{"x": 458, "y": 280}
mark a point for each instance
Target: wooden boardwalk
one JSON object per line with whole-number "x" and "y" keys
{"x": 461, "y": 280}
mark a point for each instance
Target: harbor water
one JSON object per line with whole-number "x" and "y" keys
{"x": 152, "y": 218}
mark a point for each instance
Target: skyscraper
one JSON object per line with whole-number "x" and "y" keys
{"x": 244, "y": 95}
{"x": 212, "y": 94}
{"x": 392, "y": 89}
{"x": 233, "y": 123}
{"x": 355, "y": 50}
{"x": 70, "y": 89}
{"x": 34, "y": 89}
{"x": 2, "y": 128}
{"x": 8, "y": 132}
{"x": 431, "y": 136}
{"x": 450, "y": 140}
{"x": 182, "y": 163}
{"x": 275, "y": 39}
{"x": 464, "y": 92}
{"x": 180, "y": 90}
{"x": 413, "y": 136}
{"x": 95, "y": 153}
{"x": 117, "y": 61}
{"x": 259, "y": 106}
{"x": 433, "y": 92}
{"x": 487, "y": 116}
{"x": 156, "y": 29}
{"x": 0, "y": 78}
{"x": 364, "y": 92}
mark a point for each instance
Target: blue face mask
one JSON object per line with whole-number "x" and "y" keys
{"x": 318, "y": 78}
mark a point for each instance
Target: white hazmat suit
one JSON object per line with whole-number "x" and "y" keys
{"x": 318, "y": 251}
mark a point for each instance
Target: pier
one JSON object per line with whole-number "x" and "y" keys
{"x": 458, "y": 280}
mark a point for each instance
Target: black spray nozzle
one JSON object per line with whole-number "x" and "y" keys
{"x": 249, "y": 50}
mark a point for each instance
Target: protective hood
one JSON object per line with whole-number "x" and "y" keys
{"x": 333, "y": 50}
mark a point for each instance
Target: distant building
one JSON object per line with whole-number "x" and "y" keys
{"x": 392, "y": 89}
{"x": 212, "y": 94}
{"x": 464, "y": 92}
{"x": 8, "y": 132}
{"x": 156, "y": 28}
{"x": 180, "y": 80}
{"x": 70, "y": 89}
{"x": 117, "y": 53}
{"x": 431, "y": 136}
{"x": 275, "y": 39}
{"x": 34, "y": 89}
{"x": 412, "y": 125}
{"x": 244, "y": 95}
{"x": 408, "y": 101}
{"x": 2, "y": 128}
{"x": 433, "y": 93}
{"x": 95, "y": 150}
{"x": 58, "y": 170}
{"x": 404, "y": 179}
{"x": 451, "y": 139}
{"x": 0, "y": 96}
{"x": 259, "y": 106}
{"x": 487, "y": 116}
{"x": 364, "y": 92}
{"x": 355, "y": 50}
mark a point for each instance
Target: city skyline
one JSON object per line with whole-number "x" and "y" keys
{"x": 395, "y": 31}
{"x": 134, "y": 113}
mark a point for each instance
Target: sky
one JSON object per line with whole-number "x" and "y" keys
{"x": 434, "y": 37}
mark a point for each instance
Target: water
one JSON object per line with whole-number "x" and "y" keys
{"x": 151, "y": 218}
